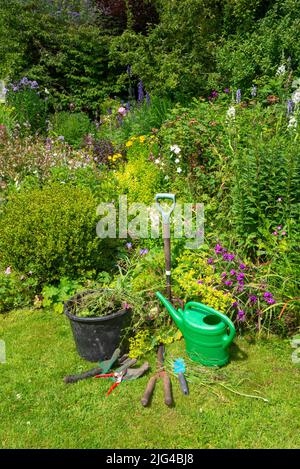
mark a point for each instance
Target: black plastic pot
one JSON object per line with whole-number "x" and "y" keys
{"x": 96, "y": 338}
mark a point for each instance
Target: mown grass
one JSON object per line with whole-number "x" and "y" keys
{"x": 39, "y": 411}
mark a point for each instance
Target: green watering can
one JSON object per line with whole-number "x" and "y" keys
{"x": 205, "y": 331}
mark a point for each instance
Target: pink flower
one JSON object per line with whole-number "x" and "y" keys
{"x": 8, "y": 270}
{"x": 122, "y": 111}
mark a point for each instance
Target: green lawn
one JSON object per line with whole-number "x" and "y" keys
{"x": 39, "y": 411}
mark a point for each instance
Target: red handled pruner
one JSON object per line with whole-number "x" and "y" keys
{"x": 118, "y": 377}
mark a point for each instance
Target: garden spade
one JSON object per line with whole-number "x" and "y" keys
{"x": 166, "y": 234}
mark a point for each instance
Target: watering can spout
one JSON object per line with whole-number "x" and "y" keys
{"x": 176, "y": 315}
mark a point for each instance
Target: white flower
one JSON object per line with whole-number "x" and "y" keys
{"x": 179, "y": 170}
{"x": 292, "y": 122}
{"x": 177, "y": 160}
{"x": 280, "y": 70}
{"x": 296, "y": 84}
{"x": 18, "y": 396}
{"x": 175, "y": 149}
{"x": 296, "y": 97}
{"x": 46, "y": 91}
{"x": 167, "y": 178}
{"x": 157, "y": 161}
{"x": 230, "y": 114}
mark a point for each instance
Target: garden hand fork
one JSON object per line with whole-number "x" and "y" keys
{"x": 166, "y": 234}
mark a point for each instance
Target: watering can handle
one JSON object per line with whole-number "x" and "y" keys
{"x": 165, "y": 196}
{"x": 203, "y": 309}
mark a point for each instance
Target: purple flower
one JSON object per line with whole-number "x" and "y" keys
{"x": 290, "y": 106}
{"x": 24, "y": 81}
{"x": 126, "y": 306}
{"x": 129, "y": 245}
{"x": 232, "y": 272}
{"x": 200, "y": 282}
{"x": 242, "y": 266}
{"x": 240, "y": 276}
{"x": 268, "y": 294}
{"x": 224, "y": 274}
{"x": 253, "y": 298}
{"x": 141, "y": 94}
{"x": 234, "y": 304}
{"x": 210, "y": 260}
{"x": 241, "y": 315}
{"x": 34, "y": 85}
{"x": 283, "y": 233}
{"x": 61, "y": 138}
{"x": 275, "y": 233}
{"x": 143, "y": 252}
{"x": 279, "y": 227}
{"x": 270, "y": 301}
{"x": 8, "y": 270}
{"x": 128, "y": 70}
{"x": 218, "y": 249}
{"x": 214, "y": 94}
{"x": 226, "y": 90}
{"x": 15, "y": 88}
{"x": 238, "y": 96}
{"x": 228, "y": 257}
{"x": 241, "y": 283}
{"x": 228, "y": 283}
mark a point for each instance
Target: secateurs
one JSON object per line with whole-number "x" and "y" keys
{"x": 124, "y": 374}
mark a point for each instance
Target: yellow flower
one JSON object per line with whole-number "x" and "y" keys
{"x": 129, "y": 143}
{"x": 142, "y": 138}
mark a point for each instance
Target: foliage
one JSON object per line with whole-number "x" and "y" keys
{"x": 72, "y": 127}
{"x": 52, "y": 233}
{"x": 7, "y": 120}
{"x": 265, "y": 165}
{"x": 68, "y": 55}
{"x": 196, "y": 280}
{"x": 106, "y": 301}
{"x": 16, "y": 290}
{"x": 54, "y": 296}
{"x": 140, "y": 179}
{"x": 36, "y": 159}
{"x": 29, "y": 106}
{"x": 257, "y": 51}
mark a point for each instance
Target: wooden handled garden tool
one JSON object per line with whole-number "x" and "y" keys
{"x": 161, "y": 373}
{"x": 166, "y": 234}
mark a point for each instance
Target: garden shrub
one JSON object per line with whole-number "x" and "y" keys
{"x": 51, "y": 232}
{"x": 72, "y": 126}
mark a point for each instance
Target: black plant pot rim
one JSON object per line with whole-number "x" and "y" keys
{"x": 73, "y": 317}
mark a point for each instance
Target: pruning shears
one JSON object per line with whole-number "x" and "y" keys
{"x": 117, "y": 376}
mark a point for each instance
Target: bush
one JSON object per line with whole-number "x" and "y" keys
{"x": 51, "y": 232}
{"x": 73, "y": 127}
